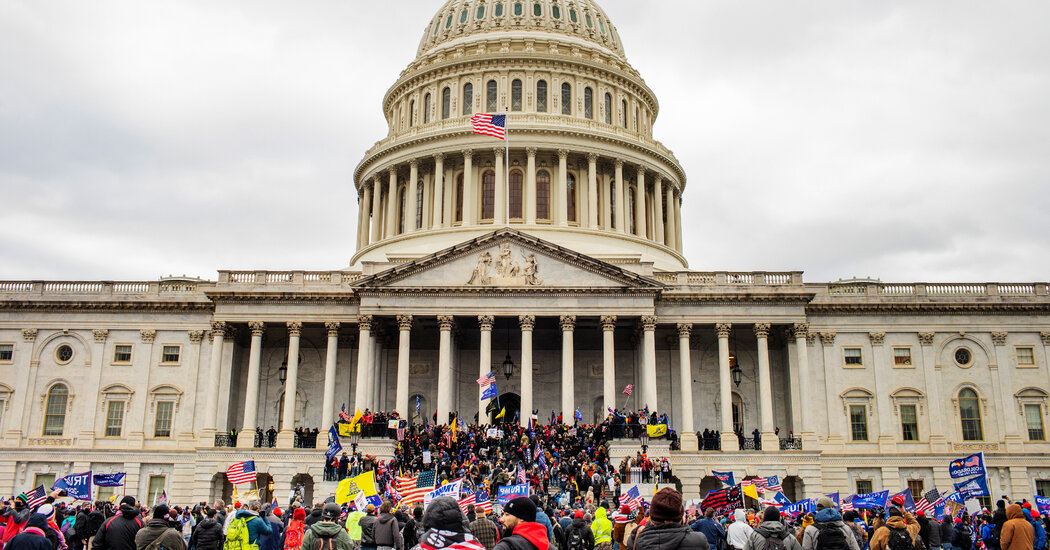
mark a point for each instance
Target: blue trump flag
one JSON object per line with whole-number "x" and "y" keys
{"x": 77, "y": 486}
{"x": 804, "y": 506}
{"x": 967, "y": 466}
{"x": 834, "y": 498}
{"x": 110, "y": 480}
{"x": 906, "y": 501}
{"x": 334, "y": 447}
{"x": 724, "y": 477}
{"x": 508, "y": 493}
{"x": 973, "y": 487}
{"x": 490, "y": 392}
{"x": 871, "y": 500}
{"x": 1043, "y": 503}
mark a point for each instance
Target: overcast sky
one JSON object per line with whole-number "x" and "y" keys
{"x": 908, "y": 141}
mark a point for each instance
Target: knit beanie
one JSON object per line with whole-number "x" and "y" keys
{"x": 299, "y": 514}
{"x": 129, "y": 500}
{"x": 771, "y": 513}
{"x": 667, "y": 506}
{"x": 522, "y": 508}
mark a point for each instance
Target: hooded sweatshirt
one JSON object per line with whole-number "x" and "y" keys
{"x": 771, "y": 529}
{"x": 326, "y": 529}
{"x": 832, "y": 516}
{"x": 526, "y": 535}
{"x": 118, "y": 532}
{"x": 1040, "y": 533}
{"x": 159, "y": 528}
{"x": 880, "y": 539}
{"x": 739, "y": 531}
{"x": 601, "y": 527}
{"x": 256, "y": 525}
{"x": 207, "y": 535}
{"x": 386, "y": 531}
{"x": 1017, "y": 534}
{"x": 666, "y": 536}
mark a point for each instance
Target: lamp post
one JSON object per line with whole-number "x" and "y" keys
{"x": 645, "y": 440}
{"x": 355, "y": 438}
{"x": 736, "y": 372}
{"x": 282, "y": 373}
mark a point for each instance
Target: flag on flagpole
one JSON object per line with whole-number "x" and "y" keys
{"x": 343, "y": 414}
{"x": 632, "y": 498}
{"x": 628, "y": 389}
{"x": 482, "y": 501}
{"x": 242, "y": 472}
{"x": 490, "y": 125}
{"x": 413, "y": 488}
{"x": 466, "y": 501}
{"x": 490, "y": 392}
{"x": 489, "y": 378}
{"x": 521, "y": 474}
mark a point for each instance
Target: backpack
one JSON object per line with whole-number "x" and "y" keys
{"x": 293, "y": 538}
{"x": 237, "y": 536}
{"x": 830, "y": 537}
{"x": 773, "y": 543}
{"x": 576, "y": 540}
{"x": 900, "y": 539}
{"x": 158, "y": 543}
{"x": 992, "y": 540}
{"x": 324, "y": 542}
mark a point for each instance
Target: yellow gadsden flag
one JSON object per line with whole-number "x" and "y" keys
{"x": 750, "y": 491}
{"x": 356, "y": 418}
{"x": 346, "y": 429}
{"x": 657, "y": 430}
{"x": 351, "y": 486}
{"x": 502, "y": 413}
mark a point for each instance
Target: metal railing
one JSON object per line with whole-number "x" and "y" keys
{"x": 750, "y": 444}
{"x": 262, "y": 441}
{"x": 790, "y": 444}
{"x": 225, "y": 440}
{"x": 305, "y": 441}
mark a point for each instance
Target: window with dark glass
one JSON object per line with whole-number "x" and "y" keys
{"x": 628, "y": 214}
{"x": 970, "y": 415}
{"x": 515, "y": 194}
{"x": 401, "y": 210}
{"x": 162, "y": 423}
{"x": 468, "y": 98}
{"x": 853, "y": 357}
{"x": 114, "y": 418}
{"x": 448, "y": 22}
{"x": 419, "y": 204}
{"x": 491, "y": 98}
{"x": 7, "y": 352}
{"x": 498, "y": 10}
{"x": 916, "y": 487}
{"x": 623, "y": 113}
{"x": 612, "y": 204}
{"x": 555, "y": 12}
{"x": 55, "y": 411}
{"x": 170, "y": 354}
{"x": 588, "y": 102}
{"x": 572, "y": 16}
{"x": 570, "y": 197}
{"x": 459, "y": 198}
{"x": 122, "y": 353}
{"x": 601, "y": 25}
{"x": 537, "y": 9}
{"x": 463, "y": 16}
{"x": 541, "y": 96}
{"x": 411, "y": 113}
{"x": 426, "y": 108}
{"x": 543, "y": 195}
{"x": 864, "y": 486}
{"x": 608, "y": 108}
{"x": 446, "y": 103}
{"x": 1033, "y": 414}
{"x": 515, "y": 95}
{"x": 587, "y": 16}
{"x": 909, "y": 423}
{"x": 481, "y": 12}
{"x": 518, "y": 9}
{"x": 566, "y": 98}
{"x": 858, "y": 420}
{"x": 488, "y": 194}
{"x": 1042, "y": 487}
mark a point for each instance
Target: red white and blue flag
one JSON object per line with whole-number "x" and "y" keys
{"x": 482, "y": 501}
{"x": 490, "y": 125}
{"x": 521, "y": 474}
{"x": 489, "y": 378}
{"x": 466, "y": 501}
{"x": 344, "y": 415}
{"x": 628, "y": 389}
{"x": 36, "y": 497}
{"x": 632, "y": 498}
{"x": 242, "y": 472}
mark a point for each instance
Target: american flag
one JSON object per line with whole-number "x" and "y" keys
{"x": 928, "y": 502}
{"x": 413, "y": 488}
{"x": 401, "y": 430}
{"x": 723, "y": 500}
{"x": 344, "y": 415}
{"x": 440, "y": 542}
{"x": 242, "y": 472}
{"x": 482, "y": 501}
{"x": 490, "y": 125}
{"x": 466, "y": 501}
{"x": 847, "y": 504}
{"x": 628, "y": 389}
{"x": 487, "y": 380}
{"x": 632, "y": 498}
{"x": 36, "y": 497}
{"x": 773, "y": 484}
{"x": 521, "y": 474}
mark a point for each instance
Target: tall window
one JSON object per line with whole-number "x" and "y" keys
{"x": 55, "y": 413}
{"x": 491, "y": 100}
{"x": 515, "y": 194}
{"x": 570, "y": 197}
{"x": 608, "y": 108}
{"x": 459, "y": 198}
{"x": 411, "y": 113}
{"x": 629, "y": 213}
{"x": 419, "y": 204}
{"x": 155, "y": 487}
{"x": 566, "y": 98}
{"x": 468, "y": 95}
{"x": 446, "y": 103}
{"x": 623, "y": 113}
{"x": 541, "y": 96}
{"x": 162, "y": 423}
{"x": 909, "y": 423}
{"x": 543, "y": 195}
{"x": 858, "y": 420}
{"x": 1042, "y": 487}
{"x": 588, "y": 102}
{"x": 114, "y": 418}
{"x": 612, "y": 204}
{"x": 488, "y": 194}
{"x": 970, "y": 413}
{"x": 1033, "y": 414}
{"x": 515, "y": 95}
{"x": 426, "y": 108}
{"x": 917, "y": 487}
{"x": 401, "y": 209}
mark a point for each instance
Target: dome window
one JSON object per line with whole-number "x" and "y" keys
{"x": 446, "y": 103}
{"x": 541, "y": 96}
{"x": 481, "y": 12}
{"x": 468, "y": 98}
{"x": 590, "y": 24}
{"x": 426, "y": 108}
{"x": 448, "y": 22}
{"x": 601, "y": 25}
{"x": 555, "y": 12}
{"x": 572, "y": 16}
{"x": 588, "y": 102}
{"x": 566, "y": 98}
{"x": 490, "y": 96}
{"x": 463, "y": 16}
{"x": 498, "y": 10}
{"x": 608, "y": 108}
{"x": 537, "y": 9}
{"x": 515, "y": 95}
{"x": 518, "y": 9}
{"x": 543, "y": 195}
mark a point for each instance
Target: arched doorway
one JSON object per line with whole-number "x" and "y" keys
{"x": 265, "y": 484}
{"x": 509, "y": 401}
{"x": 220, "y": 488}
{"x": 794, "y": 488}
{"x": 302, "y": 489}
{"x": 708, "y": 484}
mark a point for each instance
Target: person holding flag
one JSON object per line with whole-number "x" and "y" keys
{"x": 828, "y": 521}
{"x": 898, "y": 524}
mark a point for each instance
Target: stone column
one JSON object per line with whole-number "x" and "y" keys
{"x": 529, "y": 199}
{"x": 1011, "y": 434}
{"x": 469, "y": 204}
{"x": 251, "y": 390}
{"x": 609, "y": 362}
{"x": 499, "y": 208}
{"x": 391, "y": 204}
{"x": 211, "y": 411}
{"x": 658, "y": 204}
{"x": 404, "y": 325}
{"x": 805, "y": 376}
{"x": 377, "y": 209}
{"x": 639, "y": 203}
{"x": 285, "y": 439}
{"x": 484, "y": 358}
{"x": 364, "y": 361}
{"x": 527, "y": 323}
{"x": 592, "y": 191}
{"x": 938, "y": 442}
{"x": 725, "y": 380}
{"x": 568, "y": 369}
{"x": 887, "y": 436}
{"x": 649, "y": 361}
{"x": 669, "y": 238}
{"x": 410, "y": 202}
{"x": 328, "y": 404}
{"x": 364, "y": 213}
{"x": 444, "y": 389}
{"x": 836, "y": 431}
{"x": 439, "y": 190}
{"x": 685, "y": 380}
{"x": 621, "y": 195}
{"x": 559, "y": 200}
{"x": 678, "y": 223}
{"x": 770, "y": 441}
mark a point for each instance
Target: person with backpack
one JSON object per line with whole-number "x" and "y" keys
{"x": 578, "y": 535}
{"x": 246, "y": 528}
{"x": 828, "y": 531}
{"x": 961, "y": 536}
{"x": 158, "y": 534}
{"x": 901, "y": 532}
{"x": 118, "y": 532}
{"x": 293, "y": 534}
{"x": 208, "y": 534}
{"x": 368, "y": 528}
{"x": 602, "y": 529}
{"x": 327, "y": 534}
{"x": 274, "y": 540}
{"x": 711, "y": 529}
{"x": 665, "y": 530}
{"x": 771, "y": 534}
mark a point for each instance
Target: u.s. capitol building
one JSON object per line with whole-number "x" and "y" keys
{"x": 563, "y": 251}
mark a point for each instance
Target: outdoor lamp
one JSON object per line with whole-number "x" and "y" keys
{"x": 508, "y": 367}
{"x": 282, "y": 373}
{"x": 737, "y": 374}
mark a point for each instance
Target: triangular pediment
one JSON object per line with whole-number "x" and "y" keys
{"x": 508, "y": 259}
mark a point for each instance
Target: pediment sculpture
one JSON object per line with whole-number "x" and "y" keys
{"x": 504, "y": 270}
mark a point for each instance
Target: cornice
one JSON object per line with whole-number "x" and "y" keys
{"x": 345, "y": 296}
{"x": 453, "y": 291}
{"x": 916, "y": 308}
{"x": 93, "y": 306}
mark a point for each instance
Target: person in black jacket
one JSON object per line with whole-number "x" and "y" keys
{"x": 32, "y": 537}
{"x": 118, "y": 532}
{"x": 579, "y": 531}
{"x": 208, "y": 534}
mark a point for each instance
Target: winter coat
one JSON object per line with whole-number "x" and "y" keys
{"x": 601, "y": 527}
{"x": 313, "y": 517}
{"x": 353, "y": 524}
{"x": 930, "y": 531}
{"x": 15, "y": 522}
{"x": 881, "y": 537}
{"x": 368, "y": 530}
{"x": 207, "y": 535}
{"x": 579, "y": 526}
{"x": 832, "y": 516}
{"x": 31, "y": 538}
{"x": 324, "y": 529}
{"x": 1017, "y": 533}
{"x": 257, "y": 526}
{"x": 961, "y": 537}
{"x": 485, "y": 531}
{"x": 774, "y": 529}
{"x": 1040, "y": 532}
{"x": 666, "y": 536}
{"x": 159, "y": 529}
{"x": 946, "y": 530}
{"x": 118, "y": 532}
{"x": 275, "y": 539}
{"x": 386, "y": 532}
{"x": 712, "y": 530}
{"x": 543, "y": 519}
{"x": 526, "y": 535}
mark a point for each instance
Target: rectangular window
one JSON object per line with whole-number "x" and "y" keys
{"x": 909, "y": 423}
{"x": 853, "y": 357}
{"x": 858, "y": 419}
{"x": 47, "y": 480}
{"x": 122, "y": 353}
{"x": 917, "y": 488}
{"x": 7, "y": 353}
{"x": 103, "y": 493}
{"x": 162, "y": 425}
{"x": 1025, "y": 356}
{"x": 1033, "y": 414}
{"x": 155, "y": 488}
{"x": 1042, "y": 487}
{"x": 114, "y": 419}
{"x": 170, "y": 354}
{"x": 863, "y": 486}
{"x": 902, "y": 357}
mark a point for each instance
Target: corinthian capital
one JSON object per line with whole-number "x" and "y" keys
{"x": 404, "y": 322}
{"x": 531, "y": 152}
{"x": 762, "y": 330}
{"x": 527, "y": 322}
{"x": 800, "y": 330}
{"x": 877, "y": 337}
{"x": 100, "y": 334}
{"x": 827, "y": 338}
{"x": 567, "y": 322}
{"x": 468, "y": 154}
{"x": 332, "y": 327}
{"x": 445, "y": 322}
{"x": 685, "y": 330}
{"x": 295, "y": 328}
{"x": 148, "y": 335}
{"x": 563, "y": 154}
{"x": 217, "y": 328}
{"x": 723, "y": 329}
{"x": 648, "y": 322}
{"x": 29, "y": 334}
{"x": 258, "y": 328}
{"x": 486, "y": 321}
{"x": 608, "y": 322}
{"x": 364, "y": 322}
{"x": 196, "y": 336}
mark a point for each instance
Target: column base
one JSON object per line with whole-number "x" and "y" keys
{"x": 206, "y": 437}
{"x": 246, "y": 439}
{"x": 285, "y": 439}
{"x": 770, "y": 442}
{"x": 688, "y": 441}
{"x": 810, "y": 441}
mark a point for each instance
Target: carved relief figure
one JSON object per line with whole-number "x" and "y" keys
{"x": 505, "y": 264}
{"x": 480, "y": 276}
{"x": 531, "y": 278}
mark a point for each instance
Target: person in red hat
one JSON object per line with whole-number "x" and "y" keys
{"x": 293, "y": 536}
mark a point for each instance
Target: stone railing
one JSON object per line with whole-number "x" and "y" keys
{"x": 933, "y": 290}
{"x": 103, "y": 288}
{"x": 730, "y": 278}
{"x": 286, "y": 278}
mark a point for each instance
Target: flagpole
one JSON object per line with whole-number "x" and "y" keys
{"x": 506, "y": 167}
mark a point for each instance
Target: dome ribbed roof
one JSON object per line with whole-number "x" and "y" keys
{"x": 578, "y": 20}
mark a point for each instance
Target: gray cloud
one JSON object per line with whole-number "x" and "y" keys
{"x": 900, "y": 140}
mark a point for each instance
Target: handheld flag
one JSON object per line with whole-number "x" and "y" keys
{"x": 750, "y": 491}
{"x": 77, "y": 486}
{"x": 36, "y": 497}
{"x": 343, "y": 414}
{"x": 490, "y": 392}
{"x": 242, "y": 472}
{"x": 724, "y": 477}
{"x": 502, "y": 413}
{"x": 356, "y": 418}
{"x": 627, "y": 390}
{"x": 110, "y": 480}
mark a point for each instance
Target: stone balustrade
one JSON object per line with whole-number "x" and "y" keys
{"x": 929, "y": 290}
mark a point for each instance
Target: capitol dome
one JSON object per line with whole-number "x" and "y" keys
{"x": 580, "y": 167}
